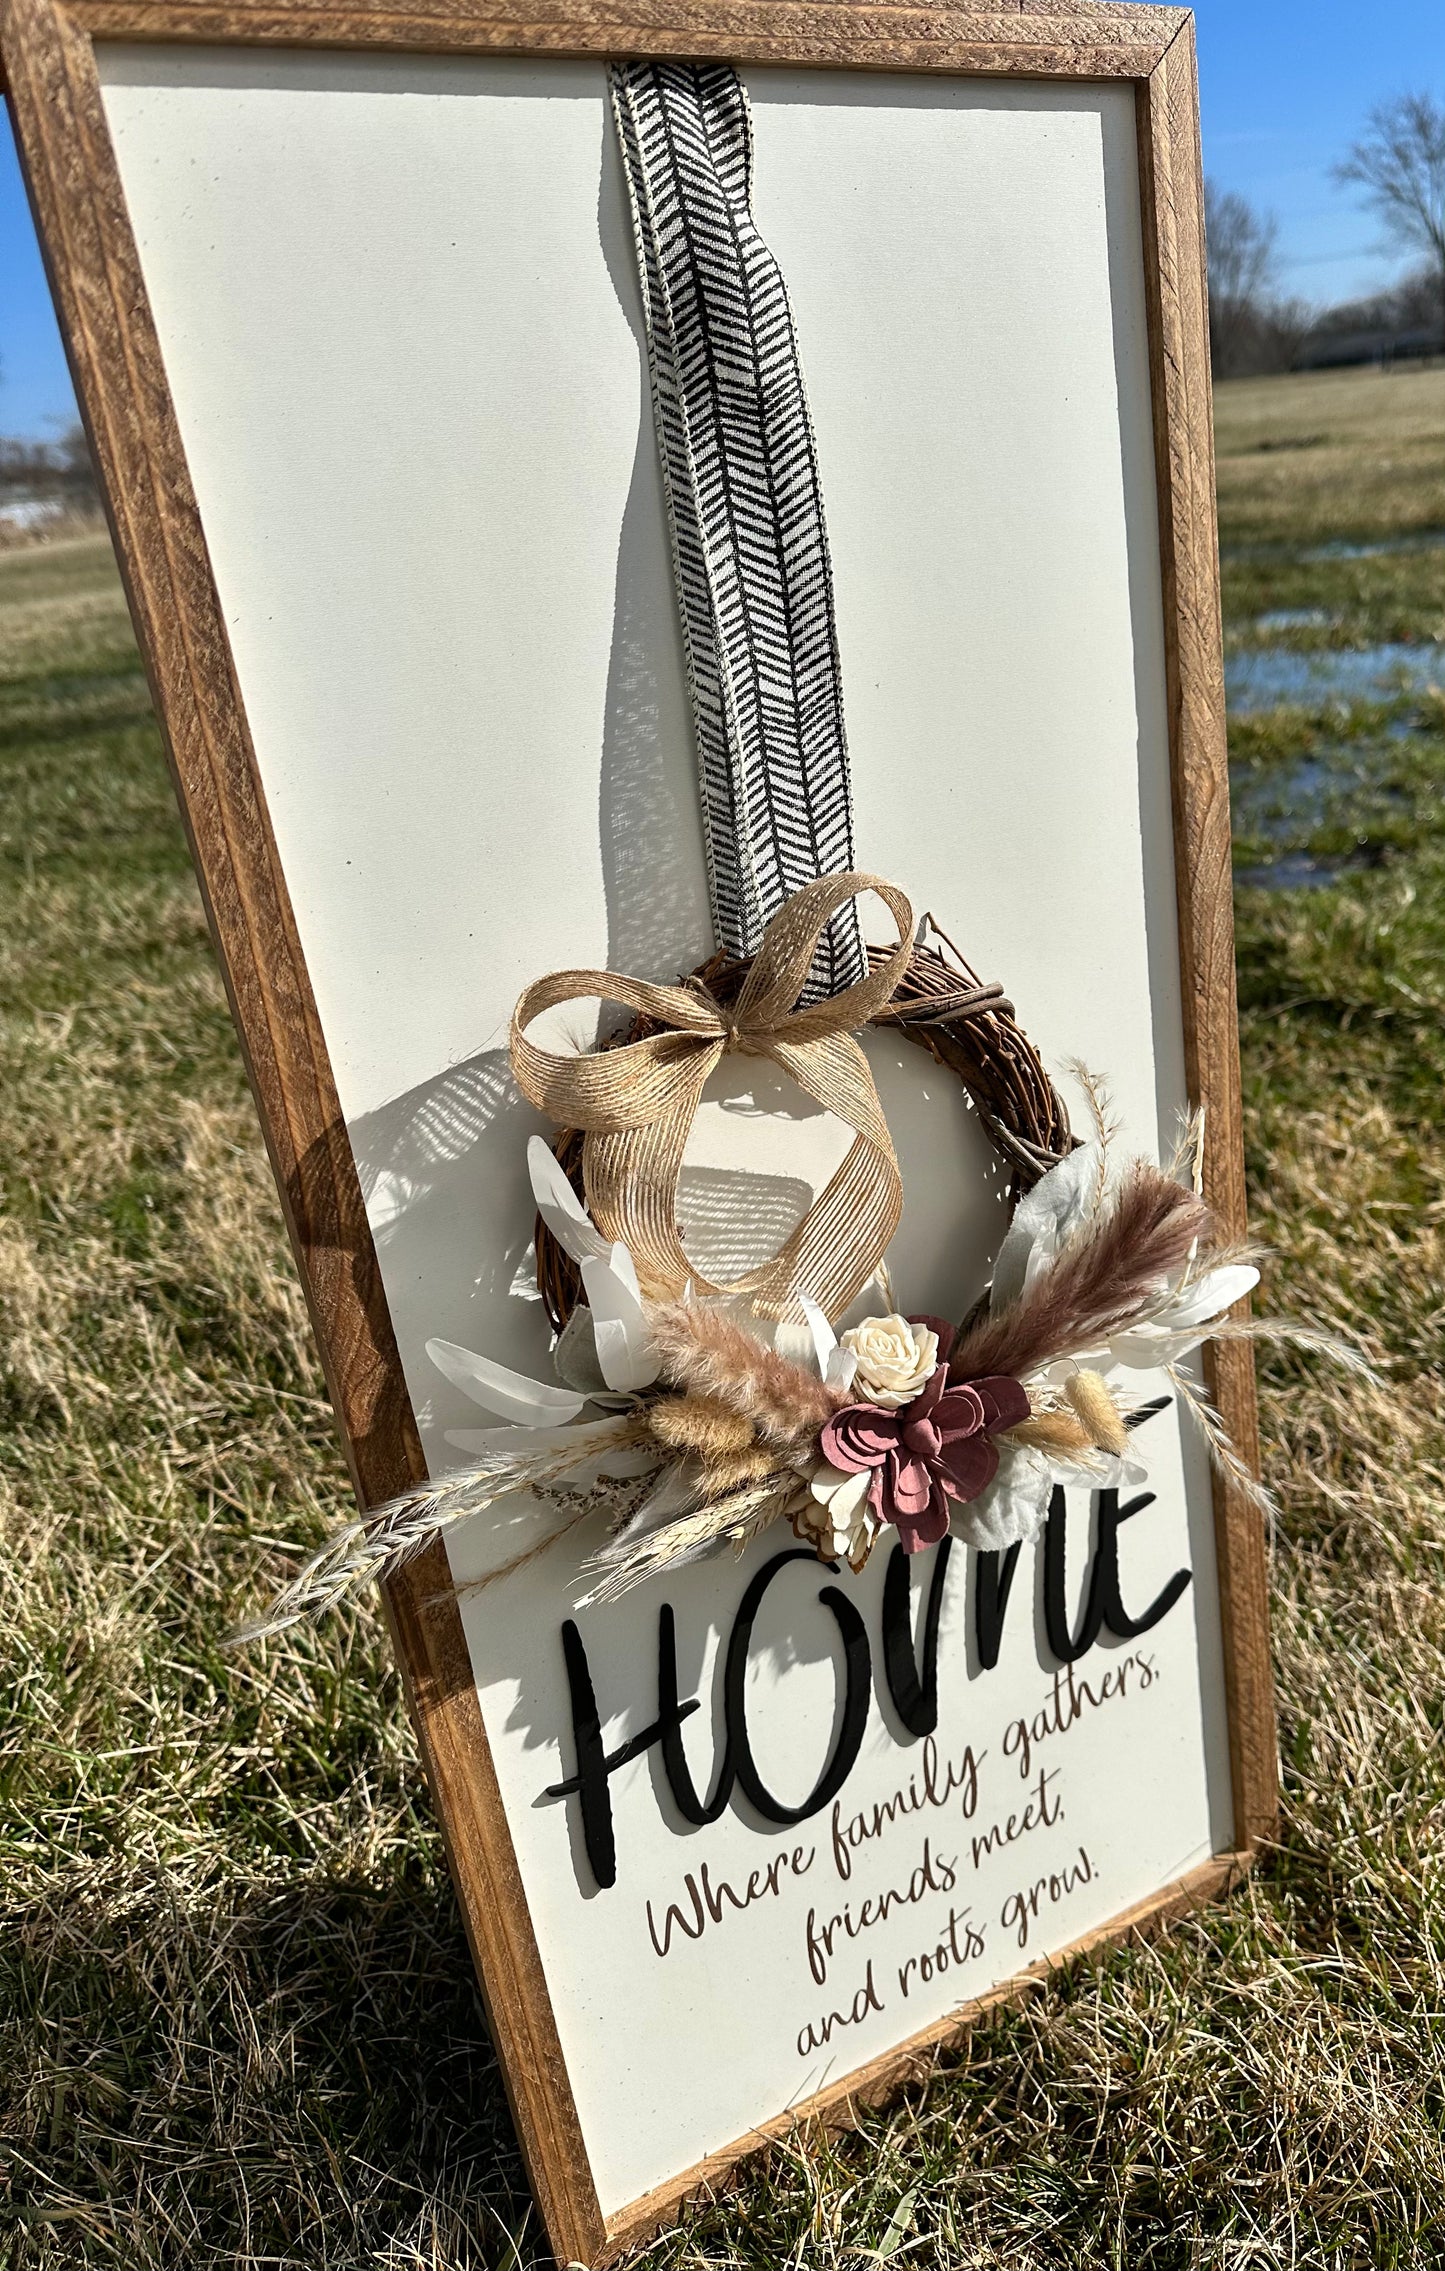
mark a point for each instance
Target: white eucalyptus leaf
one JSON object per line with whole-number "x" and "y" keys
{"x": 624, "y": 1345}
{"x": 1014, "y": 1505}
{"x": 511, "y": 1395}
{"x": 559, "y": 1206}
{"x": 575, "y": 1355}
{"x": 793, "y": 1341}
{"x": 825, "y": 1340}
{"x": 1118, "y": 1474}
{"x": 1216, "y": 1291}
{"x": 498, "y": 1442}
{"x": 1044, "y": 1220}
{"x": 619, "y": 1261}
{"x": 613, "y": 1349}
{"x": 842, "y": 1368}
{"x": 1148, "y": 1348}
{"x": 1142, "y": 1349}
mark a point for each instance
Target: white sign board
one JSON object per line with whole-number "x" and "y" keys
{"x": 397, "y": 313}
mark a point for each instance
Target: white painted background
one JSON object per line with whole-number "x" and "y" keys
{"x": 397, "y": 305}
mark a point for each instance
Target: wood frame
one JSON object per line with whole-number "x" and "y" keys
{"x": 53, "y": 87}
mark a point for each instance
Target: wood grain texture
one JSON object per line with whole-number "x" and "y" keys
{"x": 120, "y": 382}
{"x": 1086, "y": 42}
{"x": 115, "y": 357}
{"x": 1172, "y": 188}
{"x": 431, "y": 1646}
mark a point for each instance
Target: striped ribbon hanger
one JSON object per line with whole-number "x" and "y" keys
{"x": 750, "y": 547}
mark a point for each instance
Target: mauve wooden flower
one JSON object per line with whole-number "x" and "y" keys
{"x": 934, "y": 1450}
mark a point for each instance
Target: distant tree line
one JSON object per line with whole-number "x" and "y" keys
{"x": 42, "y": 470}
{"x": 1399, "y": 165}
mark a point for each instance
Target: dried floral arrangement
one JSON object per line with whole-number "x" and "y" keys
{"x": 719, "y": 1410}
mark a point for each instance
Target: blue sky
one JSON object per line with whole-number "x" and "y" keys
{"x": 1285, "y": 85}
{"x": 1284, "y": 88}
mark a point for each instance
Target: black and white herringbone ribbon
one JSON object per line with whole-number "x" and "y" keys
{"x": 749, "y": 542}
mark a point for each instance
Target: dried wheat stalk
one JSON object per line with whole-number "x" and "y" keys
{"x": 377, "y": 1543}
{"x": 735, "y": 1520}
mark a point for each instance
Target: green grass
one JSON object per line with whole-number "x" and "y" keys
{"x": 238, "y": 2025}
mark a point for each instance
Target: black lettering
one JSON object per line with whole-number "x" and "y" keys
{"x": 670, "y": 1715}
{"x": 1067, "y": 1646}
{"x": 915, "y": 1698}
{"x": 858, "y": 1668}
{"x": 993, "y": 1578}
{"x": 1104, "y": 1604}
{"x": 1112, "y": 1517}
{"x": 594, "y": 1763}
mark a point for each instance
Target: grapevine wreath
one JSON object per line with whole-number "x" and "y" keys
{"x": 693, "y": 1416}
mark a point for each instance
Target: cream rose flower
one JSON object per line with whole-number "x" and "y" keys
{"x": 895, "y": 1360}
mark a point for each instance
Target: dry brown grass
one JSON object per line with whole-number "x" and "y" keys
{"x": 238, "y": 2025}
{"x": 1331, "y": 454}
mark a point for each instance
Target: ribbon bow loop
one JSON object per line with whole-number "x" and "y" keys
{"x": 636, "y": 1103}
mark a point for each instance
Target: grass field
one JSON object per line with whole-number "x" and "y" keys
{"x": 238, "y": 2025}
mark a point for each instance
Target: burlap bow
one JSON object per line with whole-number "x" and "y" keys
{"x": 636, "y": 1104}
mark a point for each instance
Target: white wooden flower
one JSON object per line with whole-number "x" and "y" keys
{"x": 896, "y": 1360}
{"x": 845, "y": 1523}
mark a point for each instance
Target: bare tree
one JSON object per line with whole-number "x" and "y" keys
{"x": 1399, "y": 162}
{"x": 1241, "y": 248}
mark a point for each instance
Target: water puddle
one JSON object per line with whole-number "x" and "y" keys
{"x": 1294, "y": 871}
{"x": 1295, "y": 619}
{"x": 1387, "y": 547}
{"x": 1275, "y": 805}
{"x": 1269, "y": 677}
{"x": 1338, "y": 548}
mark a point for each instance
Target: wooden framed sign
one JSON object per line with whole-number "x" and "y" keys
{"x": 376, "y": 319}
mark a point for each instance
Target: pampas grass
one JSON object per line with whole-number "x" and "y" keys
{"x": 708, "y": 1354}
{"x": 1102, "y": 1281}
